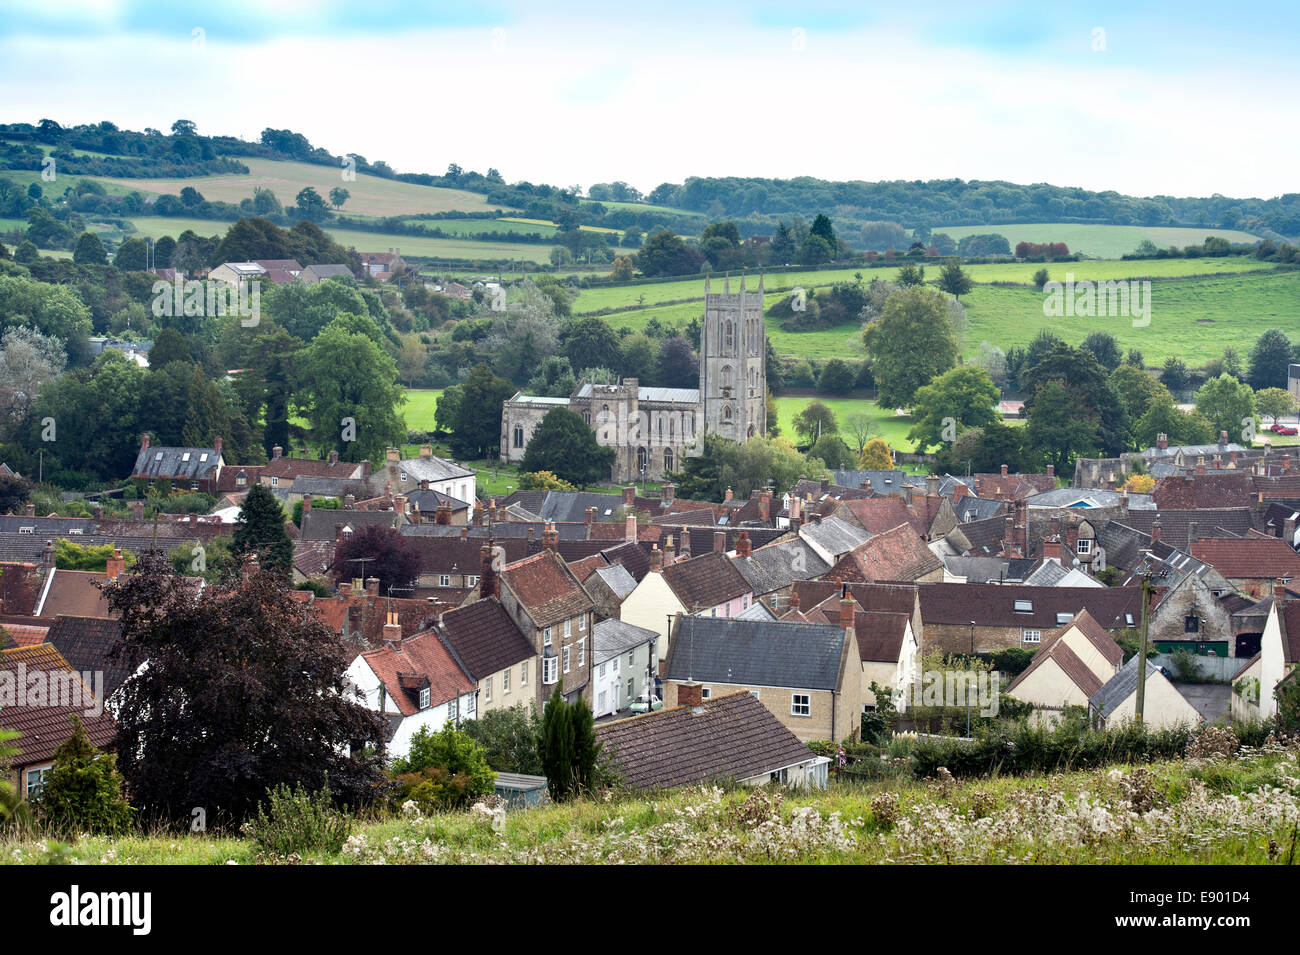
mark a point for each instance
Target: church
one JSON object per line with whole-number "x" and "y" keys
{"x": 653, "y": 429}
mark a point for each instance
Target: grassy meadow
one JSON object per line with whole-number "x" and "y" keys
{"x": 1099, "y": 241}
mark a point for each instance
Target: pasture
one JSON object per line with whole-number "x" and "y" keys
{"x": 1099, "y": 241}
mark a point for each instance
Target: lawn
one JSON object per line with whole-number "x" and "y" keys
{"x": 370, "y": 195}
{"x": 421, "y": 405}
{"x": 890, "y": 426}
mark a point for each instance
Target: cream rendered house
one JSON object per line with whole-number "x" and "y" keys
{"x": 1163, "y": 707}
{"x": 1072, "y": 665}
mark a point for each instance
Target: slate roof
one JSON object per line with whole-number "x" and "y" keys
{"x": 834, "y": 536}
{"x": 87, "y": 643}
{"x": 705, "y": 581}
{"x": 632, "y": 556}
{"x": 1120, "y": 687}
{"x": 612, "y": 637}
{"x": 461, "y": 555}
{"x": 321, "y": 524}
{"x": 882, "y": 482}
{"x": 1289, "y": 618}
{"x": 985, "y": 536}
{"x": 776, "y": 566}
{"x": 183, "y": 464}
{"x": 971, "y": 508}
{"x": 44, "y": 728}
{"x": 428, "y": 469}
{"x": 732, "y": 737}
{"x": 893, "y": 598}
{"x": 484, "y": 638}
{"x": 718, "y": 650}
{"x": 546, "y": 588}
{"x": 617, "y": 579}
{"x": 880, "y": 635}
{"x": 1176, "y": 523}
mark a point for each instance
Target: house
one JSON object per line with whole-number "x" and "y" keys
{"x": 489, "y": 646}
{"x": 624, "y": 662}
{"x": 187, "y": 469}
{"x": 232, "y": 273}
{"x": 1069, "y": 668}
{"x": 552, "y": 611}
{"x": 401, "y": 475}
{"x": 730, "y": 737}
{"x": 775, "y": 567}
{"x": 282, "y": 473}
{"x": 1278, "y": 658}
{"x": 807, "y": 675}
{"x": 1250, "y": 564}
{"x": 383, "y": 265}
{"x": 323, "y": 273}
{"x": 43, "y": 722}
{"x": 414, "y": 684}
{"x": 890, "y": 651}
{"x": 608, "y": 585}
{"x": 708, "y": 585}
{"x": 896, "y": 554}
{"x": 1163, "y": 706}
{"x": 454, "y": 561}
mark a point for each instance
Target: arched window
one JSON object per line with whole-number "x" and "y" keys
{"x": 519, "y": 437}
{"x": 726, "y": 413}
{"x": 661, "y": 426}
{"x": 728, "y": 336}
{"x": 750, "y": 433}
{"x": 668, "y": 459}
{"x": 640, "y": 459}
{"x": 726, "y": 377}
{"x": 672, "y": 425}
{"x": 586, "y": 418}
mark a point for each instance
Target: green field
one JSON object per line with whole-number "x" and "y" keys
{"x": 893, "y": 428}
{"x": 370, "y": 195}
{"x": 421, "y": 404}
{"x": 1099, "y": 241}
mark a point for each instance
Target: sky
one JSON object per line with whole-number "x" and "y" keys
{"x": 1178, "y": 99}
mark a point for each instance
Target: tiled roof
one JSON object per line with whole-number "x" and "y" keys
{"x": 705, "y": 581}
{"x": 43, "y": 728}
{"x": 632, "y": 556}
{"x": 73, "y": 592}
{"x": 1176, "y": 523}
{"x": 286, "y": 468}
{"x": 23, "y": 635}
{"x": 460, "y": 555}
{"x": 1012, "y": 487}
{"x": 776, "y": 566}
{"x": 880, "y": 635}
{"x": 891, "y": 598}
{"x": 406, "y": 666}
{"x": 993, "y": 605}
{"x": 1289, "y": 618}
{"x": 732, "y": 737}
{"x": 1258, "y": 557}
{"x": 484, "y": 638}
{"x": 750, "y": 653}
{"x": 879, "y": 514}
{"x": 545, "y": 587}
{"x": 87, "y": 644}
{"x": 1053, "y": 647}
{"x": 897, "y": 554}
{"x": 612, "y": 637}
{"x": 1205, "y": 491}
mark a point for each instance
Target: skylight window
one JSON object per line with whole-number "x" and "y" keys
{"x": 1024, "y": 606}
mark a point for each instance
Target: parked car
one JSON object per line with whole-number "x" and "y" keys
{"x": 639, "y": 705}
{"x": 1285, "y": 429}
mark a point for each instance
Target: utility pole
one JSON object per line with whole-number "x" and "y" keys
{"x": 1142, "y": 650}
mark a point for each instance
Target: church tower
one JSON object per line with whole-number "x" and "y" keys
{"x": 733, "y": 362}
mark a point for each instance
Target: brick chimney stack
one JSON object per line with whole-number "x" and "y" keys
{"x": 690, "y": 694}
{"x": 720, "y": 541}
{"x": 591, "y": 519}
{"x": 276, "y": 452}
{"x": 1162, "y": 441}
{"x": 137, "y": 510}
{"x": 794, "y": 599}
{"x": 656, "y": 558}
{"x": 796, "y": 512}
{"x": 492, "y": 510}
{"x": 1279, "y": 589}
{"x": 743, "y": 546}
{"x": 1155, "y": 530}
{"x": 765, "y": 506}
{"x": 686, "y": 542}
{"x": 443, "y": 514}
{"x": 669, "y": 552}
{"x": 144, "y": 441}
{"x": 629, "y": 528}
{"x": 629, "y": 495}
{"x": 478, "y": 512}
{"x": 1051, "y": 471}
{"x": 1004, "y": 470}
{"x": 1223, "y": 439}
{"x": 551, "y": 537}
{"x": 727, "y": 497}
{"x": 488, "y": 583}
{"x": 372, "y": 586}
{"x": 216, "y": 445}
{"x": 848, "y": 607}
{"x": 392, "y": 629}
{"x": 667, "y": 493}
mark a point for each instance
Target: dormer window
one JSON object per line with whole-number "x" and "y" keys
{"x": 1063, "y": 618}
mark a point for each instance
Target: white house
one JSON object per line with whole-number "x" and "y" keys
{"x": 415, "y": 684}
{"x": 623, "y": 660}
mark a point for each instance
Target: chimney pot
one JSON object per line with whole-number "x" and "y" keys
{"x": 1004, "y": 470}
{"x": 372, "y": 586}
{"x": 743, "y": 545}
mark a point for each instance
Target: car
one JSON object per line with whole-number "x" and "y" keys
{"x": 639, "y": 705}
{"x": 1285, "y": 429}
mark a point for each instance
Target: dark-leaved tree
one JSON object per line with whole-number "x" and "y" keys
{"x": 380, "y": 552}
{"x": 245, "y": 690}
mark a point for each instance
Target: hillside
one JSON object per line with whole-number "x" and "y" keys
{"x": 1220, "y": 810}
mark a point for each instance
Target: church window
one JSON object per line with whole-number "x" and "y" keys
{"x": 728, "y": 336}
{"x": 726, "y": 413}
{"x": 519, "y": 437}
{"x": 668, "y": 459}
{"x": 640, "y": 459}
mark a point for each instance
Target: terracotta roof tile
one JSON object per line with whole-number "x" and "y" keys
{"x": 43, "y": 728}
{"x": 406, "y": 667}
{"x": 546, "y": 588}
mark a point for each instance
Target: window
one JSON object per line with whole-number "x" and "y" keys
{"x": 1128, "y": 619}
{"x": 471, "y": 580}
{"x": 194, "y": 485}
{"x": 800, "y": 705}
{"x": 471, "y": 708}
{"x": 705, "y": 692}
{"x": 523, "y": 673}
{"x": 582, "y": 652}
{"x": 36, "y": 781}
{"x": 600, "y": 702}
{"x": 582, "y": 623}
{"x": 275, "y": 482}
{"x": 631, "y": 659}
{"x": 444, "y": 580}
{"x": 185, "y": 456}
{"x": 1191, "y": 623}
{"x": 1084, "y": 545}
{"x": 781, "y": 776}
{"x": 1033, "y": 636}
{"x": 424, "y": 698}
{"x": 629, "y": 688}
{"x": 602, "y": 671}
{"x": 505, "y": 681}
{"x": 519, "y": 437}
{"x": 1063, "y": 618}
{"x": 403, "y": 473}
{"x": 566, "y": 659}
{"x": 241, "y": 480}
{"x": 549, "y": 670}
{"x": 568, "y": 628}
{"x": 616, "y": 664}
{"x": 1024, "y": 606}
{"x": 546, "y": 637}
{"x": 487, "y": 686}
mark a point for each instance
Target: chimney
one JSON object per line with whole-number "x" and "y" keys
{"x": 629, "y": 529}
{"x": 796, "y": 512}
{"x": 686, "y": 542}
{"x": 690, "y": 694}
{"x": 551, "y": 537}
{"x": 591, "y": 518}
{"x": 349, "y": 501}
{"x": 358, "y": 586}
{"x": 1192, "y": 535}
{"x": 669, "y": 553}
{"x": 464, "y": 532}
{"x": 443, "y": 514}
{"x": 98, "y": 511}
{"x": 392, "y": 455}
{"x": 276, "y": 452}
{"x": 1155, "y": 529}
{"x": 392, "y": 629}
{"x": 1200, "y": 466}
{"x": 216, "y": 445}
{"x": 1286, "y": 464}
{"x": 765, "y": 506}
{"x": 743, "y": 546}
{"x": 1004, "y": 470}
{"x": 399, "y": 504}
{"x": 492, "y": 510}
{"x": 426, "y": 452}
{"x": 1008, "y": 535}
{"x": 250, "y": 566}
{"x": 727, "y": 497}
{"x": 720, "y": 541}
{"x": 1051, "y": 471}
{"x": 1288, "y": 530}
{"x": 333, "y": 458}
{"x": 629, "y": 495}
{"x": 47, "y": 556}
{"x": 306, "y": 504}
{"x": 372, "y": 586}
{"x": 1223, "y": 439}
{"x": 932, "y": 484}
{"x": 488, "y": 584}
{"x": 345, "y": 590}
{"x": 666, "y": 493}
{"x": 794, "y": 599}
{"x": 30, "y": 510}
{"x": 656, "y": 558}
{"x": 144, "y": 441}
{"x": 1123, "y": 504}
{"x": 478, "y": 512}
{"x": 137, "y": 510}
{"x": 1162, "y": 441}
{"x": 847, "y": 606}
{"x": 1072, "y": 535}
{"x": 424, "y": 484}
{"x": 1279, "y": 589}
{"x": 1052, "y": 549}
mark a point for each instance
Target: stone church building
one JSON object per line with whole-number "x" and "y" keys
{"x": 652, "y": 429}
